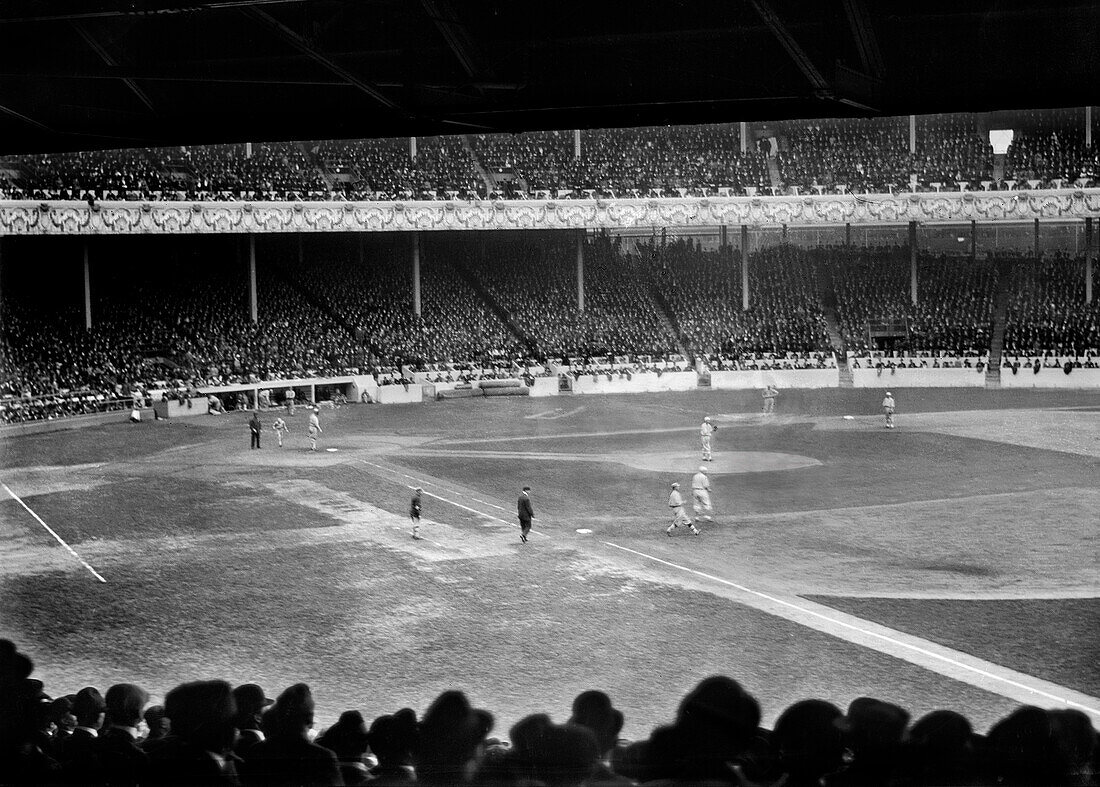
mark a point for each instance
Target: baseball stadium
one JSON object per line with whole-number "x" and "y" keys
{"x": 803, "y": 415}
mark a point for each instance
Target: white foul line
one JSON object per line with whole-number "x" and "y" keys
{"x": 451, "y": 502}
{"x": 866, "y": 632}
{"x": 49, "y": 529}
{"x": 445, "y": 489}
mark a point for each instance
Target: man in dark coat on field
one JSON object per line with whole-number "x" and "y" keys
{"x": 526, "y": 514}
{"x": 254, "y": 426}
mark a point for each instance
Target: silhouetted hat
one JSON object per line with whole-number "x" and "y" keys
{"x": 250, "y": 698}
{"x": 88, "y": 703}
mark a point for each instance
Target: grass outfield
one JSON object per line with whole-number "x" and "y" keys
{"x": 971, "y": 527}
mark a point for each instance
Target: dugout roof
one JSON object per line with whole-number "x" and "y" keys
{"x": 81, "y": 74}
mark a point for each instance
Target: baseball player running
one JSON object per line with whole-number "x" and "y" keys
{"x": 676, "y": 503}
{"x": 700, "y": 495}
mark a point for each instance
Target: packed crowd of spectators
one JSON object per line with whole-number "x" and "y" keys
{"x": 534, "y": 278}
{"x": 863, "y": 154}
{"x": 626, "y": 162}
{"x": 374, "y": 300}
{"x": 511, "y": 296}
{"x": 1050, "y": 145}
{"x": 153, "y": 331}
{"x": 365, "y": 169}
{"x": 208, "y": 732}
{"x": 872, "y": 154}
{"x": 869, "y": 155}
{"x": 703, "y": 292}
{"x": 1047, "y": 313}
{"x": 954, "y": 312}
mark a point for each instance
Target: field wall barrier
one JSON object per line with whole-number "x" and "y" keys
{"x": 646, "y": 382}
{"x": 780, "y": 378}
{"x": 919, "y": 378}
{"x": 1051, "y": 378}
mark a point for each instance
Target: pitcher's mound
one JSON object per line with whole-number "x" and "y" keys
{"x": 724, "y": 463}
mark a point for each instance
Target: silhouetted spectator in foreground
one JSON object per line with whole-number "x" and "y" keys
{"x": 349, "y": 741}
{"x": 809, "y": 739}
{"x": 940, "y": 748}
{"x": 287, "y": 757}
{"x": 124, "y": 762}
{"x": 393, "y": 739}
{"x": 251, "y": 703}
{"x": 714, "y": 728}
{"x": 593, "y": 710}
{"x": 450, "y": 735}
{"x": 197, "y": 750}
{"x": 874, "y": 732}
{"x": 79, "y": 754}
{"x": 1024, "y": 748}
{"x": 551, "y": 754}
{"x": 158, "y": 724}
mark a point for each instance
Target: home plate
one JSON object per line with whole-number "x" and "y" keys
{"x": 849, "y": 418}
{"x": 584, "y": 530}
{"x": 332, "y": 450}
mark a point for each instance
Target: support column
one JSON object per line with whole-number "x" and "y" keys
{"x": 913, "y": 261}
{"x": 1088, "y": 260}
{"x": 248, "y": 150}
{"x": 1036, "y": 242}
{"x": 723, "y": 237}
{"x": 301, "y": 255}
{"x": 87, "y": 289}
{"x": 973, "y": 240}
{"x": 783, "y": 235}
{"x": 912, "y": 133}
{"x": 412, "y": 148}
{"x": 1, "y": 275}
{"x": 744, "y": 137}
{"x": 416, "y": 272}
{"x": 576, "y": 143}
{"x": 253, "y": 311}
{"x": 744, "y": 267}
{"x": 847, "y": 233}
{"x": 1088, "y": 127}
{"x": 580, "y": 270}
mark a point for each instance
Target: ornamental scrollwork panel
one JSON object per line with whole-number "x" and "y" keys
{"x": 122, "y": 218}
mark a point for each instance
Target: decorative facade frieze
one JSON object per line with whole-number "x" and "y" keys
{"x": 152, "y": 218}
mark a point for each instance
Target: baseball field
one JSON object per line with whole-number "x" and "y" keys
{"x": 952, "y": 562}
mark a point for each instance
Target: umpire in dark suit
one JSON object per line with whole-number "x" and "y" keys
{"x": 526, "y": 514}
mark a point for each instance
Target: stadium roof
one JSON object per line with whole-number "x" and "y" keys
{"x": 80, "y": 74}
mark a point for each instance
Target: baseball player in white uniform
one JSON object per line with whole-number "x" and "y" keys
{"x": 314, "y": 428}
{"x": 700, "y": 495}
{"x": 676, "y": 503}
{"x": 888, "y": 409}
{"x": 706, "y": 429}
{"x": 280, "y": 428}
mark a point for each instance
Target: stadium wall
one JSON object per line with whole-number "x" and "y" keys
{"x": 1051, "y": 378}
{"x": 646, "y": 382}
{"x": 780, "y": 378}
{"x": 918, "y": 378}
